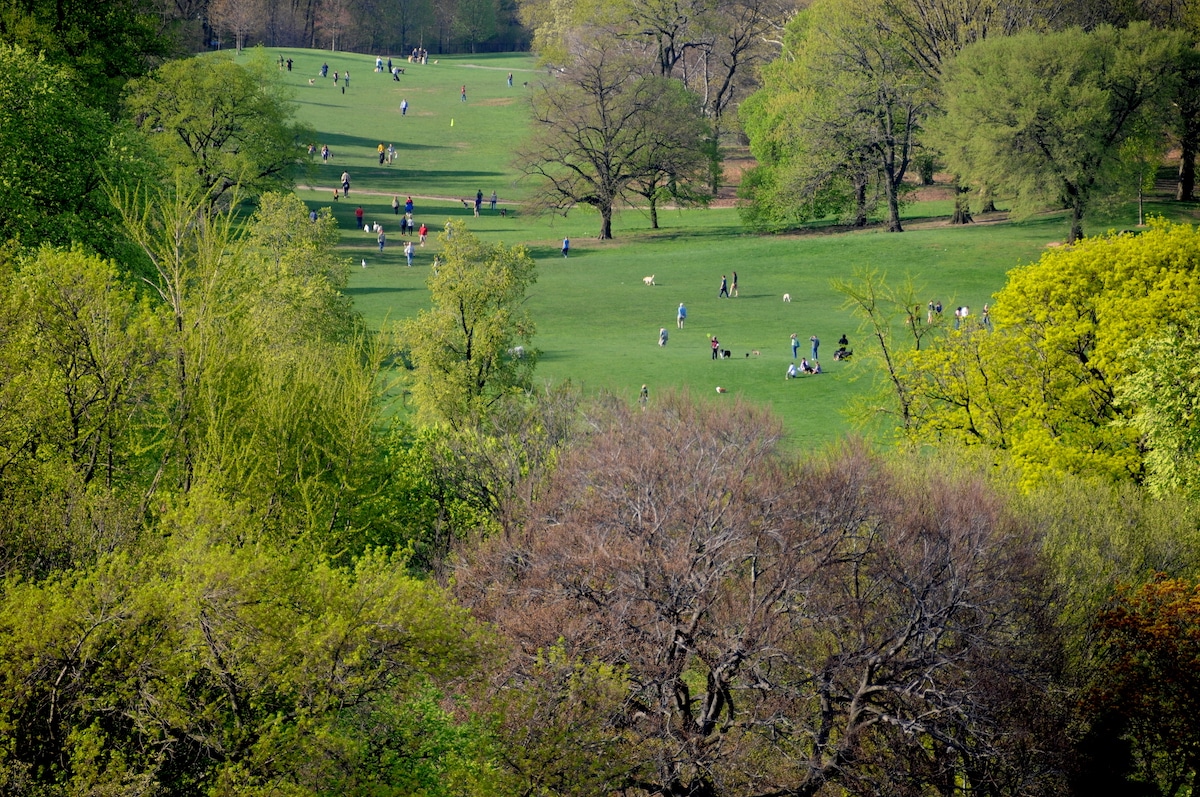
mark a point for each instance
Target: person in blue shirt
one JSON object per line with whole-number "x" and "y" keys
{"x": 682, "y": 316}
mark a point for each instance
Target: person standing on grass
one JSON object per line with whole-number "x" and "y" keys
{"x": 510, "y": 80}
{"x": 396, "y": 205}
{"x": 662, "y": 336}
{"x": 408, "y": 252}
{"x": 566, "y": 247}
{"x": 478, "y": 201}
{"x": 358, "y": 216}
{"x": 643, "y": 396}
{"x": 403, "y": 107}
{"x": 346, "y": 183}
{"x": 408, "y": 205}
{"x": 795, "y": 345}
{"x": 815, "y": 343}
{"x": 493, "y": 199}
{"x": 463, "y": 93}
{"x": 382, "y": 239}
{"x": 681, "y": 317}
{"x": 724, "y": 288}
{"x": 423, "y": 232}
{"x": 716, "y": 347}
{"x": 733, "y": 291}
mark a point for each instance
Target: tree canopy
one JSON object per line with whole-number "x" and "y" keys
{"x": 1042, "y": 117}
{"x": 223, "y": 124}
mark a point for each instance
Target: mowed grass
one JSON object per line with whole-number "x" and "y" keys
{"x": 597, "y": 321}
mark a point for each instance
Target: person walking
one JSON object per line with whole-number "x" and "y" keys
{"x": 724, "y": 288}
{"x": 358, "y": 216}
{"x": 346, "y": 183}
{"x": 404, "y": 107}
{"x": 566, "y": 246}
{"x": 478, "y": 201}
{"x": 325, "y": 152}
{"x": 510, "y": 80}
{"x": 716, "y": 347}
{"x": 382, "y": 239}
{"x": 815, "y": 343}
{"x": 408, "y": 252}
{"x": 734, "y": 286}
{"x": 662, "y": 336}
{"x": 493, "y": 200}
{"x": 462, "y": 94}
{"x": 795, "y": 345}
{"x": 644, "y": 395}
{"x": 681, "y": 316}
{"x": 423, "y": 232}
{"x": 408, "y": 205}
{"x": 391, "y": 154}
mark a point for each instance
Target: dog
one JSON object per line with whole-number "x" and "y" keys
{"x": 503, "y": 212}
{"x": 312, "y": 81}
{"x": 787, "y": 297}
{"x": 648, "y": 280}
{"x": 726, "y": 354}
{"x": 721, "y": 389}
{"x": 754, "y": 352}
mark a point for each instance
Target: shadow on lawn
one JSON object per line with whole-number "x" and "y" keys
{"x": 342, "y": 141}
{"x": 369, "y": 291}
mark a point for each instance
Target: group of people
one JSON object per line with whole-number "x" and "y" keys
{"x": 726, "y": 290}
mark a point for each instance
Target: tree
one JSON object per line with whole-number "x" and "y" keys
{"x": 675, "y": 162}
{"x": 248, "y": 669}
{"x": 773, "y": 622}
{"x": 1145, "y": 691}
{"x": 1043, "y": 116}
{"x": 1044, "y": 384}
{"x": 474, "y": 345}
{"x": 105, "y": 45}
{"x": 1162, "y": 398}
{"x": 56, "y": 151}
{"x": 224, "y": 125}
{"x": 858, "y": 101}
{"x": 600, "y": 126}
{"x": 239, "y": 18}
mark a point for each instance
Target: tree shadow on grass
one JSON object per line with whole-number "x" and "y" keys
{"x": 368, "y": 291}
{"x": 342, "y": 141}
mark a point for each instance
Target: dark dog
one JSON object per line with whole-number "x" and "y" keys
{"x": 503, "y": 211}
{"x": 725, "y": 355}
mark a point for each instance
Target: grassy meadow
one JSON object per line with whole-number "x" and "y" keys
{"x": 597, "y": 321}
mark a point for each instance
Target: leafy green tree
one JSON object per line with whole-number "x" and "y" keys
{"x": 1043, "y": 385}
{"x": 1163, "y": 398}
{"x": 236, "y": 669}
{"x": 105, "y": 45}
{"x": 855, "y": 100}
{"x": 473, "y": 346}
{"x": 222, "y": 124}
{"x": 1042, "y": 117}
{"x": 56, "y": 151}
{"x": 82, "y": 364}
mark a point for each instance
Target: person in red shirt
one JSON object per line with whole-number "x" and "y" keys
{"x": 423, "y": 232}
{"x": 358, "y": 214}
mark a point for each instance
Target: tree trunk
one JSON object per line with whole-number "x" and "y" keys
{"x": 653, "y": 212}
{"x": 962, "y": 206}
{"x": 1076, "y": 222}
{"x": 1185, "y": 190}
{"x": 893, "y": 201}
{"x": 860, "y": 204}
{"x": 605, "y": 222}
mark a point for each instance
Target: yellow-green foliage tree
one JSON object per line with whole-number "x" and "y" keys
{"x": 1043, "y": 384}
{"x": 474, "y": 345}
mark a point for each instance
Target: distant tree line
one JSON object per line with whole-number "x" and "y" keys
{"x": 1046, "y": 104}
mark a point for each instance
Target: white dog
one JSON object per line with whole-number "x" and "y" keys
{"x": 648, "y": 280}
{"x": 312, "y": 81}
{"x": 787, "y": 297}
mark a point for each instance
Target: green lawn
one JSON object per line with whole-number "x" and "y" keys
{"x": 597, "y": 322}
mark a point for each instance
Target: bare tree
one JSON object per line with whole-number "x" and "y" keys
{"x": 598, "y": 127}
{"x": 238, "y": 18}
{"x": 774, "y": 623}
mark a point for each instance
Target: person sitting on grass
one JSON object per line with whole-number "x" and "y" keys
{"x": 792, "y": 371}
